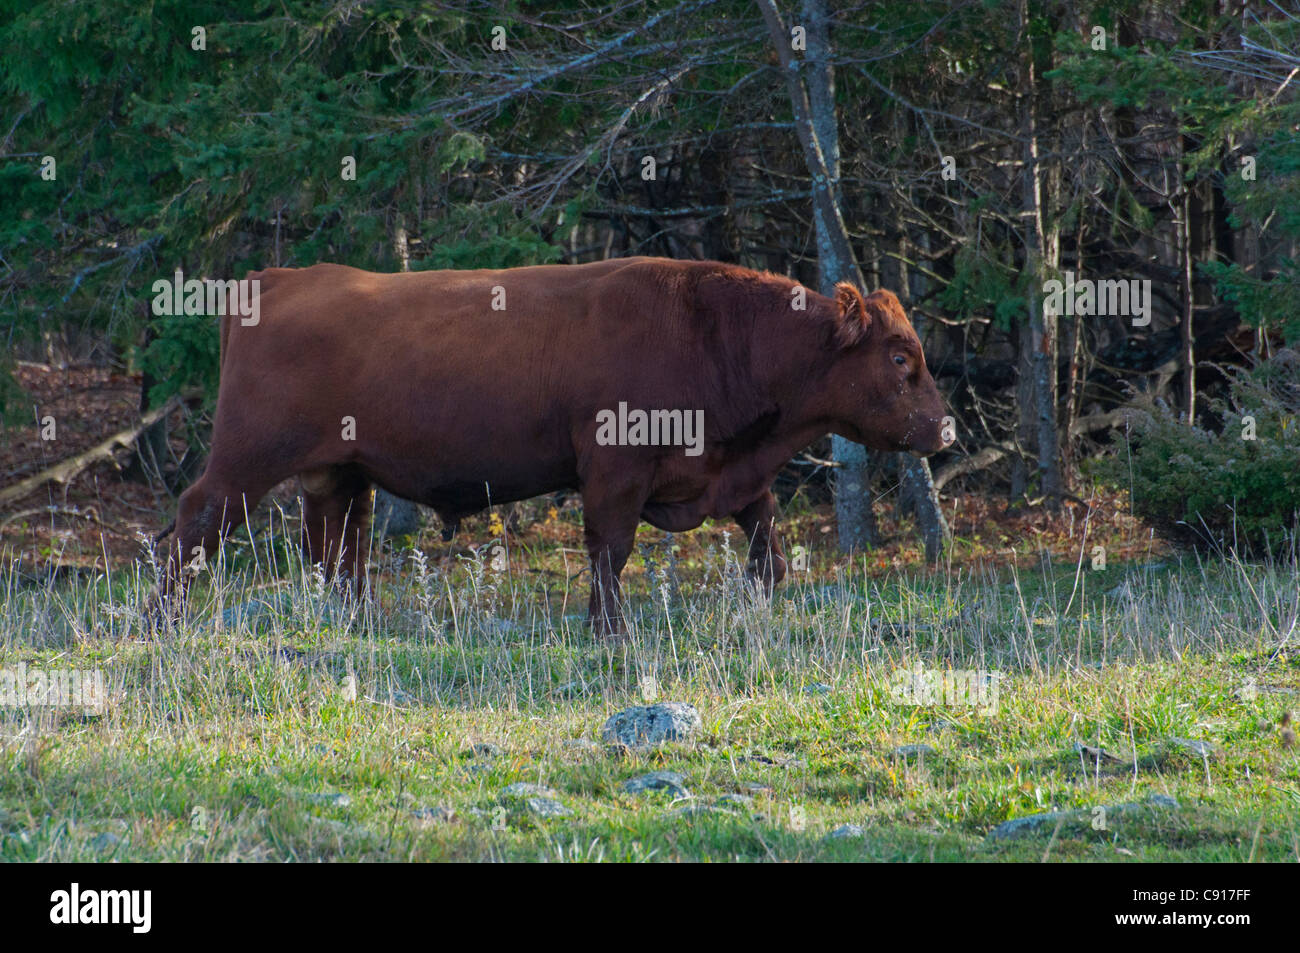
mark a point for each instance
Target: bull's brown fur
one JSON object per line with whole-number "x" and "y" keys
{"x": 457, "y": 405}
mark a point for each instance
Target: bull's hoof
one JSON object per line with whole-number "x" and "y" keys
{"x": 762, "y": 585}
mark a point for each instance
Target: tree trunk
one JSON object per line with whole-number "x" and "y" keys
{"x": 916, "y": 484}
{"x": 854, "y": 517}
{"x": 1042, "y": 256}
{"x": 394, "y": 516}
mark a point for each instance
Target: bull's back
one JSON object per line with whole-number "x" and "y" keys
{"x": 530, "y": 332}
{"x": 478, "y": 375}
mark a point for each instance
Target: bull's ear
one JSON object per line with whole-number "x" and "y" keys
{"x": 852, "y": 320}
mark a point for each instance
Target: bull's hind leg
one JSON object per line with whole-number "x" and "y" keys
{"x": 336, "y": 521}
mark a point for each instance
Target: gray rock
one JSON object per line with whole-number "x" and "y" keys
{"x": 1020, "y": 826}
{"x": 914, "y": 751}
{"x": 1202, "y": 749}
{"x": 651, "y": 724}
{"x": 736, "y": 800}
{"x": 535, "y": 798}
{"x": 524, "y": 789}
{"x": 669, "y": 781}
{"x": 546, "y": 807}
{"x": 846, "y": 830}
{"x": 104, "y": 841}
{"x": 394, "y": 516}
{"x": 1155, "y": 800}
{"x": 329, "y": 799}
{"x": 1100, "y": 754}
{"x": 486, "y": 749}
{"x": 1009, "y": 830}
{"x": 817, "y": 688}
{"x": 789, "y": 763}
{"x": 434, "y": 815}
{"x": 698, "y": 810}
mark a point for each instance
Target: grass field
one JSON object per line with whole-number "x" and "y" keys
{"x": 237, "y": 737}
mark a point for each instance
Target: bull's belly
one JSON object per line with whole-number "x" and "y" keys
{"x": 464, "y": 492}
{"x": 675, "y": 517}
{"x": 683, "y": 504}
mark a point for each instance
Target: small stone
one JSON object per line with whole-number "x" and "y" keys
{"x": 646, "y": 725}
{"x": 104, "y": 841}
{"x": 698, "y": 810}
{"x": 330, "y": 800}
{"x": 1019, "y": 826}
{"x": 524, "y": 789}
{"x": 1202, "y": 749}
{"x": 1162, "y": 800}
{"x": 817, "y": 688}
{"x": 846, "y": 830}
{"x": 486, "y": 749}
{"x": 914, "y": 751}
{"x": 669, "y": 781}
{"x": 1100, "y": 754}
{"x": 434, "y": 815}
{"x": 736, "y": 800}
{"x": 546, "y": 807}
{"x": 789, "y": 763}
{"x": 337, "y": 828}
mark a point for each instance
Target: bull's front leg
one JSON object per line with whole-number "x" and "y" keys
{"x": 766, "y": 563}
{"x": 610, "y": 513}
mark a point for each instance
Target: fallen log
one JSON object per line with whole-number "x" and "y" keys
{"x": 991, "y": 454}
{"x": 976, "y": 461}
{"x": 65, "y": 471}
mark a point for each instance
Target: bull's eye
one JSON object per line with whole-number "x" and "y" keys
{"x": 900, "y": 360}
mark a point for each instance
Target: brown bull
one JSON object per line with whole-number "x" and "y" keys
{"x": 458, "y": 389}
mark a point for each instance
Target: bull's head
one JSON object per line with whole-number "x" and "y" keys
{"x": 884, "y": 396}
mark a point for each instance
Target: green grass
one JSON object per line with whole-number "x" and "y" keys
{"x": 229, "y": 742}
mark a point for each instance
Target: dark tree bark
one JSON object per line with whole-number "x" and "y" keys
{"x": 813, "y": 103}
{"x": 1042, "y": 257}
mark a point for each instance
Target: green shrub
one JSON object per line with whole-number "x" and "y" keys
{"x": 1224, "y": 489}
